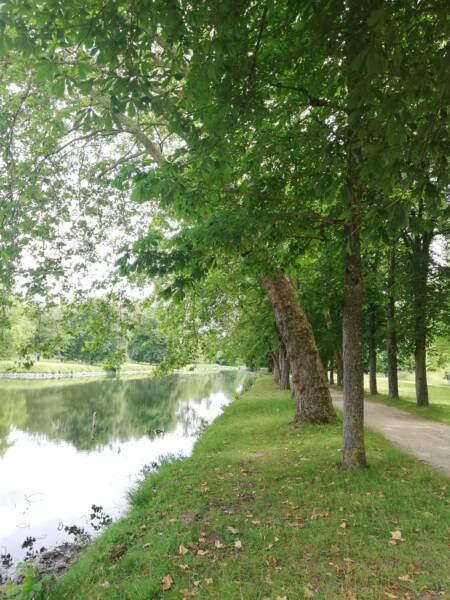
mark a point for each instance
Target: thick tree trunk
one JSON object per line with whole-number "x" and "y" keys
{"x": 339, "y": 368}
{"x": 391, "y": 341}
{"x": 420, "y": 264}
{"x": 372, "y": 351}
{"x": 309, "y": 384}
{"x": 283, "y": 361}
{"x": 353, "y": 452}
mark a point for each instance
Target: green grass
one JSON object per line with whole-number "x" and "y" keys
{"x": 56, "y": 366}
{"x": 439, "y": 396}
{"x": 306, "y": 527}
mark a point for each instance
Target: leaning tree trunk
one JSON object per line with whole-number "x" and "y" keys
{"x": 353, "y": 452}
{"x": 391, "y": 341}
{"x": 420, "y": 263}
{"x": 372, "y": 351}
{"x": 309, "y": 384}
{"x": 285, "y": 369}
{"x": 339, "y": 368}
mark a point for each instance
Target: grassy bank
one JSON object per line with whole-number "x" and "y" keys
{"x": 57, "y": 366}
{"x": 262, "y": 511}
{"x": 439, "y": 395}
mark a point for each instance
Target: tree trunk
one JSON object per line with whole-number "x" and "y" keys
{"x": 339, "y": 368}
{"x": 276, "y": 368}
{"x": 309, "y": 384}
{"x": 420, "y": 263}
{"x": 283, "y": 361}
{"x": 353, "y": 452}
{"x": 372, "y": 351}
{"x": 391, "y": 329}
{"x": 331, "y": 371}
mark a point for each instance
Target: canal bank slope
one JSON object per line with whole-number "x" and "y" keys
{"x": 261, "y": 510}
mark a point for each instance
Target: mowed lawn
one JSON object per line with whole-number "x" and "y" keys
{"x": 262, "y": 511}
{"x": 439, "y": 396}
{"x": 56, "y": 366}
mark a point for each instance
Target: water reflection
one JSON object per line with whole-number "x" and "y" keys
{"x": 54, "y": 464}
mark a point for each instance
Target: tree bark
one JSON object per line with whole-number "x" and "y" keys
{"x": 372, "y": 351}
{"x": 309, "y": 384}
{"x": 339, "y": 368}
{"x": 353, "y": 451}
{"x": 391, "y": 329}
{"x": 420, "y": 264}
{"x": 276, "y": 368}
{"x": 283, "y": 361}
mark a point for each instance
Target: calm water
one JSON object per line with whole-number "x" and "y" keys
{"x": 54, "y": 465}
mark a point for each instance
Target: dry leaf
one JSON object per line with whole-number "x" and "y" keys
{"x": 405, "y": 578}
{"x": 183, "y": 567}
{"x": 202, "y": 552}
{"x": 209, "y": 580}
{"x": 218, "y": 544}
{"x": 166, "y": 582}
{"x": 343, "y": 525}
{"x": 233, "y": 530}
{"x": 238, "y": 544}
{"x": 396, "y": 536}
{"x": 188, "y": 593}
{"x": 391, "y": 596}
{"x": 182, "y": 550}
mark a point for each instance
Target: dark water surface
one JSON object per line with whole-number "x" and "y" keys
{"x": 54, "y": 464}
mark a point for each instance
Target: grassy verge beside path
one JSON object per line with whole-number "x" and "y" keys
{"x": 439, "y": 395}
{"x": 262, "y": 511}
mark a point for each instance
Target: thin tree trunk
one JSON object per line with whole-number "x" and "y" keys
{"x": 331, "y": 372}
{"x": 391, "y": 329}
{"x": 276, "y": 368}
{"x": 420, "y": 263}
{"x": 339, "y": 368}
{"x": 372, "y": 351}
{"x": 284, "y": 368}
{"x": 309, "y": 384}
{"x": 353, "y": 452}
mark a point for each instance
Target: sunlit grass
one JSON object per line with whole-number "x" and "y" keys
{"x": 439, "y": 397}
{"x": 56, "y": 366}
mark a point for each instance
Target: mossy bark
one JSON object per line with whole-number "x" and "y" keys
{"x": 308, "y": 382}
{"x": 353, "y": 451}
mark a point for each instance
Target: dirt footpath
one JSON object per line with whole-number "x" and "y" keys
{"x": 427, "y": 440}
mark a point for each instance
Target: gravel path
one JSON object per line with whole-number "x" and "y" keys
{"x": 427, "y": 440}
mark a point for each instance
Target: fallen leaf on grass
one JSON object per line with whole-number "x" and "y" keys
{"x": 208, "y": 580}
{"x": 188, "y": 593}
{"x": 391, "y": 596}
{"x": 218, "y": 544}
{"x": 238, "y": 544}
{"x": 202, "y": 552}
{"x": 396, "y": 536}
{"x": 182, "y": 550}
{"x": 343, "y": 525}
{"x": 166, "y": 582}
{"x": 405, "y": 578}
{"x": 233, "y": 530}
{"x": 183, "y": 568}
